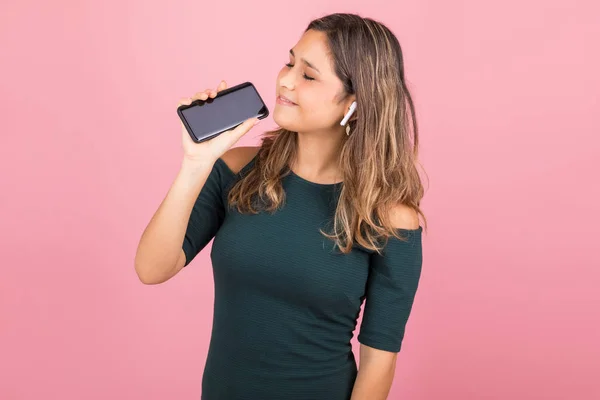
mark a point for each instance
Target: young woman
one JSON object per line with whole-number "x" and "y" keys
{"x": 319, "y": 218}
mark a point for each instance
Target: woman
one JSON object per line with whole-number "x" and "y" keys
{"x": 317, "y": 219}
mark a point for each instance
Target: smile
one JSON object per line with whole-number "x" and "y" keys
{"x": 285, "y": 101}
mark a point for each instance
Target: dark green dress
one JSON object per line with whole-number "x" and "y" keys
{"x": 287, "y": 302}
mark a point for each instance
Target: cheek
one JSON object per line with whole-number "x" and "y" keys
{"x": 309, "y": 97}
{"x": 316, "y": 104}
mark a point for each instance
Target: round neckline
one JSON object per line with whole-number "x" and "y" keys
{"x": 311, "y": 183}
{"x": 291, "y": 173}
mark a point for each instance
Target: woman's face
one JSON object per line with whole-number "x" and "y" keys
{"x": 308, "y": 80}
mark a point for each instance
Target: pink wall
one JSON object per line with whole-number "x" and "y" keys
{"x": 507, "y": 95}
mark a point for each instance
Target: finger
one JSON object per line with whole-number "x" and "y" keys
{"x": 233, "y": 135}
{"x": 205, "y": 91}
{"x": 202, "y": 95}
{"x": 185, "y": 101}
{"x": 213, "y": 94}
{"x": 244, "y": 127}
{"x": 222, "y": 86}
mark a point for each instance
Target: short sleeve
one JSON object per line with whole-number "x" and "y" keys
{"x": 391, "y": 287}
{"x": 208, "y": 211}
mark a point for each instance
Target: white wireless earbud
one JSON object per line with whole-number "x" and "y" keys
{"x": 349, "y": 114}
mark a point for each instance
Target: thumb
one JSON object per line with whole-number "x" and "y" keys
{"x": 244, "y": 127}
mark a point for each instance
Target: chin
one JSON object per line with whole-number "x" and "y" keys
{"x": 285, "y": 119}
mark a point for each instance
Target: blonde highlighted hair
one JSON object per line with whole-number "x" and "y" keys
{"x": 378, "y": 160}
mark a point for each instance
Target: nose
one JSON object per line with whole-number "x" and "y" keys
{"x": 286, "y": 79}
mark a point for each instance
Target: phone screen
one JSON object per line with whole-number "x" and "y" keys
{"x": 230, "y": 108}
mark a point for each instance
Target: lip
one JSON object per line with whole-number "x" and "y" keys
{"x": 284, "y": 100}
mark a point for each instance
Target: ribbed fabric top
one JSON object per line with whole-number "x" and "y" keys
{"x": 286, "y": 301}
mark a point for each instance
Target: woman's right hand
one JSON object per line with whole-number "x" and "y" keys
{"x": 210, "y": 150}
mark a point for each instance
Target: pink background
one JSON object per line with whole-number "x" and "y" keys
{"x": 507, "y": 97}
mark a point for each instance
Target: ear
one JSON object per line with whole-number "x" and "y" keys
{"x": 348, "y": 102}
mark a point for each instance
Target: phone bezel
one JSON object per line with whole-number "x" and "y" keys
{"x": 224, "y": 92}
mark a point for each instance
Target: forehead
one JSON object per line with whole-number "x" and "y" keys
{"x": 314, "y": 48}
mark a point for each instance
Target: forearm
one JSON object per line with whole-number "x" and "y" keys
{"x": 161, "y": 242}
{"x": 375, "y": 374}
{"x": 372, "y": 386}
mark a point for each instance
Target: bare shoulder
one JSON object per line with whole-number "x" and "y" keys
{"x": 404, "y": 217}
{"x": 236, "y": 158}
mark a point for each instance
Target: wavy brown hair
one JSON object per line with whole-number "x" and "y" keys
{"x": 378, "y": 160}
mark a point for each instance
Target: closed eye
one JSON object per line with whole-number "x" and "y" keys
{"x": 308, "y": 78}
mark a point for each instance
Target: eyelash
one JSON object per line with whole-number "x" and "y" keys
{"x": 308, "y": 78}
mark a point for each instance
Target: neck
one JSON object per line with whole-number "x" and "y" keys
{"x": 317, "y": 157}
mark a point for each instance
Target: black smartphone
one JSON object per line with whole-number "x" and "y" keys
{"x": 205, "y": 119}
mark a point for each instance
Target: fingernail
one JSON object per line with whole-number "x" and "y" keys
{"x": 256, "y": 122}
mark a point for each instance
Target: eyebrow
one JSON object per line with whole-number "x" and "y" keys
{"x": 305, "y": 62}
